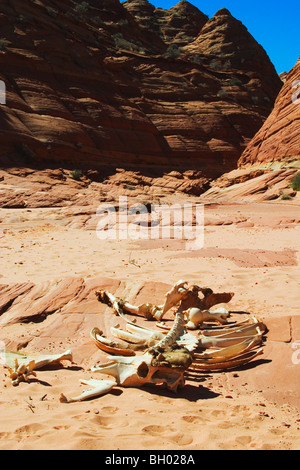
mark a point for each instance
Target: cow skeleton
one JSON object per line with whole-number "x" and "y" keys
{"x": 148, "y": 356}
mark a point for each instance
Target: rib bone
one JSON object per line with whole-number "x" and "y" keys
{"x": 111, "y": 346}
{"x": 228, "y": 364}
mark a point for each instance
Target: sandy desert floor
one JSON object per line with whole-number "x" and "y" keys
{"x": 249, "y": 249}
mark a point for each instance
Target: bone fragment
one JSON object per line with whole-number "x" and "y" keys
{"x": 21, "y": 366}
{"x": 21, "y": 373}
{"x": 208, "y": 300}
{"x": 172, "y": 298}
{"x": 98, "y": 387}
{"x": 195, "y": 317}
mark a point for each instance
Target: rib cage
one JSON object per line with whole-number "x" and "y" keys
{"x": 163, "y": 355}
{"x": 226, "y": 347}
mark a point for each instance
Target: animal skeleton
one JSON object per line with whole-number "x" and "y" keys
{"x": 162, "y": 357}
{"x": 147, "y": 356}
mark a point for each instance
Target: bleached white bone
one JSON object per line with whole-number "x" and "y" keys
{"x": 175, "y": 350}
{"x": 127, "y": 336}
{"x": 196, "y": 317}
{"x": 231, "y": 363}
{"x": 145, "y": 333}
{"x": 40, "y": 360}
{"x": 139, "y": 370}
{"x": 107, "y": 345}
{"x": 220, "y": 355}
{"x": 22, "y": 365}
{"x": 158, "y": 365}
{"x": 98, "y": 387}
{"x": 172, "y": 298}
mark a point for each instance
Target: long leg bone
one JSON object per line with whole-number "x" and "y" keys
{"x": 147, "y": 310}
{"x": 98, "y": 387}
{"x": 150, "y": 311}
{"x": 197, "y": 310}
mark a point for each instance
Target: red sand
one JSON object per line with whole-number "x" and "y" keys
{"x": 250, "y": 249}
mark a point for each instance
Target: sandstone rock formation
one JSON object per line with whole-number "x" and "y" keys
{"x": 178, "y": 25}
{"x": 278, "y": 140}
{"x": 93, "y": 85}
{"x": 272, "y": 158}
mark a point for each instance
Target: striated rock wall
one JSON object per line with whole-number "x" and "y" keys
{"x": 91, "y": 84}
{"x": 278, "y": 140}
{"x": 271, "y": 161}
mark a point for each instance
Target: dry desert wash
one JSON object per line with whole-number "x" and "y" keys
{"x": 160, "y": 341}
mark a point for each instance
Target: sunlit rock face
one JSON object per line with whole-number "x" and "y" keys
{"x": 278, "y": 140}
{"x": 105, "y": 84}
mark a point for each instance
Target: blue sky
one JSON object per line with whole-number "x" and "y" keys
{"x": 274, "y": 25}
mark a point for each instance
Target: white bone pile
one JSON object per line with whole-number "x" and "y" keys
{"x": 161, "y": 356}
{"x": 148, "y": 356}
{"x": 22, "y": 366}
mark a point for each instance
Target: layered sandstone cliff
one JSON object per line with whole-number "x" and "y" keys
{"x": 271, "y": 161}
{"x": 93, "y": 84}
{"x": 278, "y": 140}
